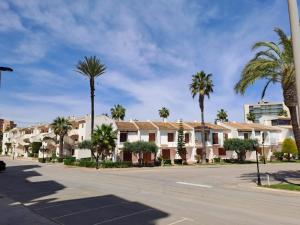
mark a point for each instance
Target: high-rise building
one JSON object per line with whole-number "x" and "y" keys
{"x": 264, "y": 108}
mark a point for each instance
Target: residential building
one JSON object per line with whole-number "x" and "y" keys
{"x": 268, "y": 137}
{"x": 264, "y": 108}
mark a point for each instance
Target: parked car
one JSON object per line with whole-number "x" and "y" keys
{"x": 2, "y": 166}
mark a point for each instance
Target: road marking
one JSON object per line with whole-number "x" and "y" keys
{"x": 125, "y": 216}
{"x": 181, "y": 220}
{"x": 88, "y": 210}
{"x": 197, "y": 185}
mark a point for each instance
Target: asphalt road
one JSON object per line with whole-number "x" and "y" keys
{"x": 34, "y": 193}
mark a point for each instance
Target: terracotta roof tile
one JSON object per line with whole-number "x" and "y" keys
{"x": 197, "y": 125}
{"x": 250, "y": 126}
{"x": 185, "y": 126}
{"x": 145, "y": 125}
{"x": 164, "y": 125}
{"x": 126, "y": 126}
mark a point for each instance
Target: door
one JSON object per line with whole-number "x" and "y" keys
{"x": 166, "y": 154}
{"x": 127, "y": 156}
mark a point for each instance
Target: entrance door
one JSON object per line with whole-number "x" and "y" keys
{"x": 166, "y": 154}
{"x": 127, "y": 156}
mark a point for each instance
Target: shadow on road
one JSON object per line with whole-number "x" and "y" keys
{"x": 283, "y": 176}
{"x": 107, "y": 209}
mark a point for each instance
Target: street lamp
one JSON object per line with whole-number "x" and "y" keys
{"x": 4, "y": 69}
{"x": 257, "y": 166}
{"x": 263, "y": 146}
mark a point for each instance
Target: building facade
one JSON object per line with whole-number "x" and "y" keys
{"x": 264, "y": 108}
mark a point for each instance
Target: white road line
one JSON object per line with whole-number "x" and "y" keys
{"x": 197, "y": 185}
{"x": 88, "y": 210}
{"x": 181, "y": 220}
{"x": 125, "y": 216}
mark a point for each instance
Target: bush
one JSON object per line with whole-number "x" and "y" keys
{"x": 167, "y": 162}
{"x": 278, "y": 155}
{"x": 69, "y": 161}
{"x": 217, "y": 160}
{"x": 289, "y": 147}
{"x": 86, "y": 162}
{"x": 42, "y": 160}
{"x": 178, "y": 161}
{"x": 35, "y": 146}
{"x": 60, "y": 160}
{"x": 111, "y": 164}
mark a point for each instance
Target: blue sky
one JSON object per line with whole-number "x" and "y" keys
{"x": 150, "y": 49}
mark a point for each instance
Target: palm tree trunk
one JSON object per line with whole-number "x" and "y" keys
{"x": 203, "y": 153}
{"x": 92, "y": 88}
{"x": 295, "y": 125}
{"x": 61, "y": 146}
{"x": 290, "y": 100}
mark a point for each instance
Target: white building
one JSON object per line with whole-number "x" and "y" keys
{"x": 264, "y": 108}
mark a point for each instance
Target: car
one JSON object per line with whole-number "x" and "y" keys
{"x": 2, "y": 165}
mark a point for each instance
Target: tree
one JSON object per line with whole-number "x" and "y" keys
{"x": 61, "y": 127}
{"x": 103, "y": 141}
{"x": 181, "y": 150}
{"x": 240, "y": 146}
{"x": 222, "y": 116}
{"x": 164, "y": 113}
{"x": 289, "y": 147}
{"x": 140, "y": 147}
{"x": 8, "y": 147}
{"x": 91, "y": 67}
{"x": 274, "y": 62}
{"x": 251, "y": 117}
{"x": 283, "y": 113}
{"x": 118, "y": 112}
{"x": 202, "y": 86}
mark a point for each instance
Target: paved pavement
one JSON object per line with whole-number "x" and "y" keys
{"x": 34, "y": 193}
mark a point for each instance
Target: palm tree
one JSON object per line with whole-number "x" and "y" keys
{"x": 202, "y": 86}
{"x": 92, "y": 68}
{"x": 222, "y": 116}
{"x": 118, "y": 112}
{"x": 164, "y": 113}
{"x": 274, "y": 62}
{"x": 103, "y": 141}
{"x": 283, "y": 113}
{"x": 61, "y": 126}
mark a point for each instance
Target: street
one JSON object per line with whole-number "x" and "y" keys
{"x": 35, "y": 193}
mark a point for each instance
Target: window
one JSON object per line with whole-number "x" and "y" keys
{"x": 123, "y": 137}
{"x": 225, "y": 136}
{"x": 222, "y": 151}
{"x": 170, "y": 137}
{"x": 246, "y": 136}
{"x": 215, "y": 138}
{"x": 151, "y": 137}
{"x": 186, "y": 137}
{"x": 257, "y": 133}
{"x": 82, "y": 125}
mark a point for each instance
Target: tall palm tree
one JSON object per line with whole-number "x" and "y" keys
{"x": 91, "y": 67}
{"x": 118, "y": 112}
{"x": 251, "y": 117}
{"x": 104, "y": 141}
{"x": 164, "y": 113}
{"x": 202, "y": 86}
{"x": 274, "y": 62}
{"x": 222, "y": 116}
{"x": 61, "y": 126}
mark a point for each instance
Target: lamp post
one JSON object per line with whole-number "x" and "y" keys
{"x": 257, "y": 166}
{"x": 6, "y": 69}
{"x": 263, "y": 147}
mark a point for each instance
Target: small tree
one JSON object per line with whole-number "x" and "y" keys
{"x": 8, "y": 146}
{"x": 289, "y": 147}
{"x": 35, "y": 146}
{"x": 240, "y": 146}
{"x": 251, "y": 117}
{"x": 222, "y": 116}
{"x": 118, "y": 112}
{"x": 140, "y": 147}
{"x": 180, "y": 142}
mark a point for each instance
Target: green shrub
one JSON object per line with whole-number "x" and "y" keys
{"x": 86, "y": 162}
{"x": 278, "y": 155}
{"x": 60, "y": 160}
{"x": 167, "y": 162}
{"x": 178, "y": 161}
{"x": 69, "y": 160}
{"x": 217, "y": 160}
{"x": 289, "y": 147}
{"x": 35, "y": 146}
{"x": 42, "y": 160}
{"x": 111, "y": 164}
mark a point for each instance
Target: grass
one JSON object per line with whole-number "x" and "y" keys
{"x": 284, "y": 161}
{"x": 289, "y": 187}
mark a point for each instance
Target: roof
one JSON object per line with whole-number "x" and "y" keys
{"x": 185, "y": 126}
{"x": 211, "y": 126}
{"x": 250, "y": 126}
{"x": 164, "y": 126}
{"x": 126, "y": 126}
{"x": 145, "y": 125}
